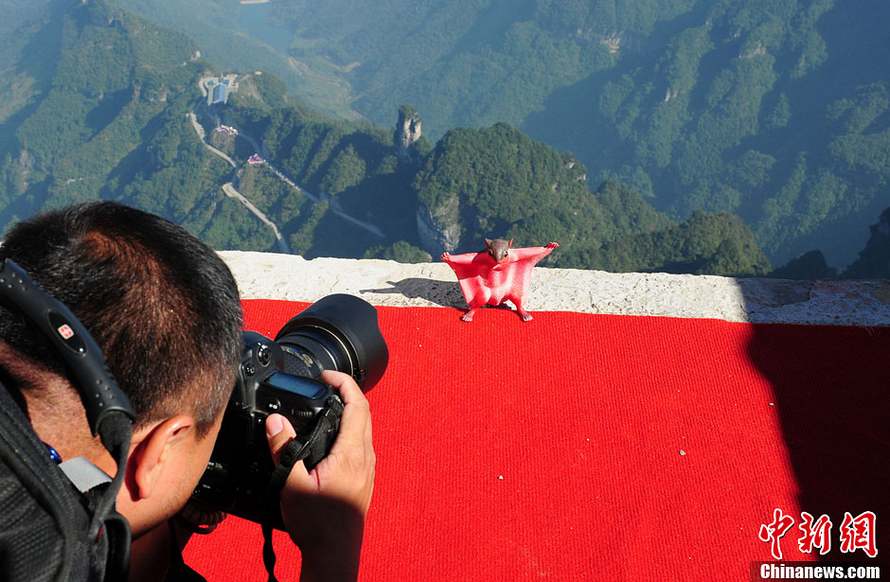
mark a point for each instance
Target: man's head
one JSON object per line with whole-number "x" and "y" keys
{"x": 163, "y": 308}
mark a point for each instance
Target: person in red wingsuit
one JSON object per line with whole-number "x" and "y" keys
{"x": 497, "y": 274}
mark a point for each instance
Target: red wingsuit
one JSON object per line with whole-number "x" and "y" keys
{"x": 485, "y": 281}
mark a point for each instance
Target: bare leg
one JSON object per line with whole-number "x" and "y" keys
{"x": 479, "y": 300}
{"x": 525, "y": 315}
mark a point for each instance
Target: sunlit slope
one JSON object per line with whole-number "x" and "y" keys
{"x": 775, "y": 110}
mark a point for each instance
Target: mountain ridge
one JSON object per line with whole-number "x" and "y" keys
{"x": 756, "y": 108}
{"x": 127, "y": 137}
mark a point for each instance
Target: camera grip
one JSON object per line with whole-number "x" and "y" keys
{"x": 312, "y": 449}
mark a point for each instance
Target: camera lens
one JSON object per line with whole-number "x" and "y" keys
{"x": 337, "y": 332}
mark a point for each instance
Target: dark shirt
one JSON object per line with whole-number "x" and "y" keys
{"x": 179, "y": 571}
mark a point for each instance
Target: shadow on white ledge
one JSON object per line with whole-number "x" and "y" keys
{"x": 291, "y": 277}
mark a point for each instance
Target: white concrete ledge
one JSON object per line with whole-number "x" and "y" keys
{"x": 291, "y": 277}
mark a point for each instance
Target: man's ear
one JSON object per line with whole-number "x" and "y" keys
{"x": 154, "y": 450}
{"x": 488, "y": 242}
{"x": 510, "y": 243}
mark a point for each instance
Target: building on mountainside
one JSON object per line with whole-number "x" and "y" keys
{"x": 219, "y": 89}
{"x": 611, "y": 42}
{"x": 255, "y": 160}
{"x": 230, "y": 131}
{"x": 219, "y": 94}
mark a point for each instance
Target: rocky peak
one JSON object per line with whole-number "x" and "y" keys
{"x": 408, "y": 130}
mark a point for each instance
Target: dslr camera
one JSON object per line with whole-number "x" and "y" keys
{"x": 338, "y": 332}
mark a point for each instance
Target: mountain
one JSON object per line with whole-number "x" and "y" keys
{"x": 498, "y": 180}
{"x": 463, "y": 62}
{"x": 776, "y": 110}
{"x": 110, "y": 106}
{"x": 874, "y": 260}
{"x": 102, "y": 99}
{"x": 252, "y": 37}
{"x": 810, "y": 265}
{"x": 474, "y": 183}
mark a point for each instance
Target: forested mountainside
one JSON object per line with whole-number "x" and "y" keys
{"x": 94, "y": 103}
{"x": 463, "y": 62}
{"x": 106, "y": 105}
{"x": 499, "y": 180}
{"x": 874, "y": 259}
{"x": 494, "y": 182}
{"x": 776, "y": 110}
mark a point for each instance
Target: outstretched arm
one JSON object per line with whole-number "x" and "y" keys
{"x": 462, "y": 259}
{"x": 534, "y": 252}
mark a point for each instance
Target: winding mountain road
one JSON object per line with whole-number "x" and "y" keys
{"x": 231, "y": 192}
{"x": 334, "y": 203}
{"x": 203, "y": 137}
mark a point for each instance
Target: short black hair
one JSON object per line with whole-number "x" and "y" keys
{"x": 162, "y": 305}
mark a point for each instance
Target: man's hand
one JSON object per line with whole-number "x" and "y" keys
{"x": 553, "y": 245}
{"x": 324, "y": 510}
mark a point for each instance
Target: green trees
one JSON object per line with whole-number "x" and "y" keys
{"x": 333, "y": 187}
{"x": 507, "y": 185}
{"x": 108, "y": 121}
{"x": 772, "y": 110}
{"x": 874, "y": 259}
{"x": 811, "y": 265}
{"x": 401, "y": 252}
{"x": 347, "y": 169}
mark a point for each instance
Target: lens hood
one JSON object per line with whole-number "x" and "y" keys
{"x": 354, "y": 322}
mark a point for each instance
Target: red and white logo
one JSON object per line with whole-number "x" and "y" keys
{"x": 856, "y": 533}
{"x": 65, "y": 331}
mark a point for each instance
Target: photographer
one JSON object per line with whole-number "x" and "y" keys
{"x": 164, "y": 309}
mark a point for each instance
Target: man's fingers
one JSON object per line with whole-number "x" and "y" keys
{"x": 345, "y": 385}
{"x": 357, "y": 412}
{"x": 355, "y": 426}
{"x": 279, "y": 432}
{"x": 299, "y": 479}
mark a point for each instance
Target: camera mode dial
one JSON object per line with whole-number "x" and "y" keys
{"x": 263, "y": 354}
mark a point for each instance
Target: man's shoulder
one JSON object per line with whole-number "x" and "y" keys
{"x": 42, "y": 523}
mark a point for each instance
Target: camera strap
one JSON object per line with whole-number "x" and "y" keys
{"x": 311, "y": 447}
{"x": 108, "y": 410}
{"x": 294, "y": 451}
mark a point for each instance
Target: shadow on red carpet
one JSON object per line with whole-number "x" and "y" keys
{"x": 580, "y": 447}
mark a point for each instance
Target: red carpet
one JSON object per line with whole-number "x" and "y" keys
{"x": 580, "y": 447}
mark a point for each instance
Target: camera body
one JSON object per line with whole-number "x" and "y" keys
{"x": 339, "y": 332}
{"x": 237, "y": 474}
